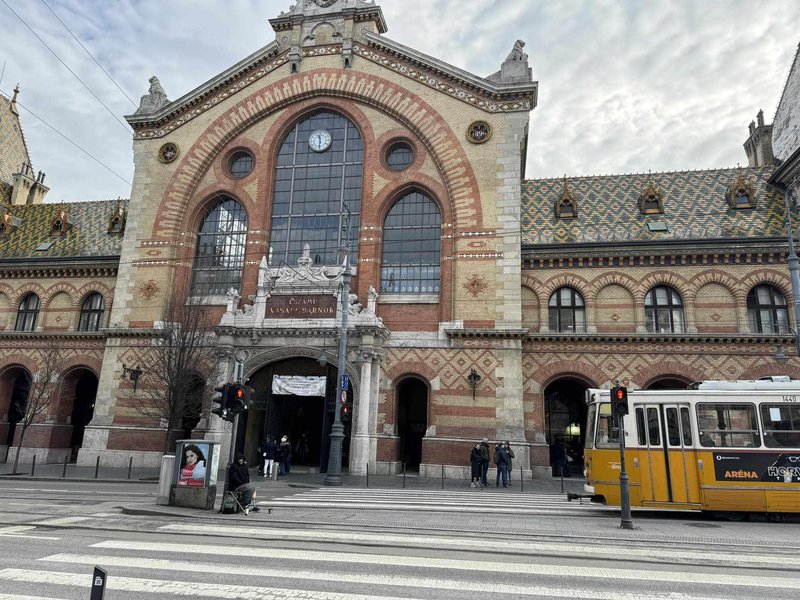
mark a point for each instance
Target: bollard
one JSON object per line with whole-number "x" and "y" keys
{"x": 442, "y": 476}
{"x": 367, "y": 474}
{"x": 98, "y": 584}
{"x": 64, "y": 471}
{"x": 522, "y": 480}
{"x": 404, "y": 475}
{"x": 130, "y": 466}
{"x": 97, "y": 466}
{"x": 562, "y": 479}
{"x": 33, "y": 465}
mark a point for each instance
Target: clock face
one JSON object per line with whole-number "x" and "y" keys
{"x": 320, "y": 140}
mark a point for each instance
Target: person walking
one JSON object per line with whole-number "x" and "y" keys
{"x": 501, "y": 460}
{"x": 510, "y": 456}
{"x": 239, "y": 482}
{"x": 285, "y": 455}
{"x": 475, "y": 460}
{"x": 484, "y": 461}
{"x": 301, "y": 448}
{"x": 270, "y": 451}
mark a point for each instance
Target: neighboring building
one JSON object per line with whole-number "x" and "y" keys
{"x": 542, "y": 288}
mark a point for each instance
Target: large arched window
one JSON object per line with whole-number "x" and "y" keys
{"x": 28, "y": 313}
{"x": 318, "y": 173}
{"x": 567, "y": 312}
{"x": 766, "y": 310}
{"x": 663, "y": 310}
{"x": 412, "y": 237}
{"x": 219, "y": 257}
{"x": 92, "y": 313}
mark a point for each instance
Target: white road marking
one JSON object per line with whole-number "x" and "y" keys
{"x": 62, "y": 521}
{"x": 405, "y": 580}
{"x": 25, "y": 597}
{"x": 89, "y": 492}
{"x": 656, "y": 553}
{"x": 184, "y": 588}
{"x": 22, "y": 531}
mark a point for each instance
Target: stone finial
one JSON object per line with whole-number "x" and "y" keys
{"x": 154, "y": 100}
{"x": 516, "y": 52}
{"x": 515, "y": 68}
{"x": 13, "y": 105}
{"x": 263, "y": 272}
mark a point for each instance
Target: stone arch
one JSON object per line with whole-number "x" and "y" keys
{"x": 768, "y": 367}
{"x": 28, "y": 288}
{"x": 534, "y": 285}
{"x": 407, "y": 108}
{"x": 59, "y": 313}
{"x": 767, "y": 276}
{"x": 88, "y": 289}
{"x": 621, "y": 279}
{"x": 716, "y": 308}
{"x": 662, "y": 369}
{"x": 714, "y": 276}
{"x": 583, "y": 371}
{"x": 60, "y": 288}
{"x": 667, "y": 278}
{"x": 261, "y": 359}
{"x": 566, "y": 280}
{"x": 5, "y": 307}
{"x": 530, "y": 309}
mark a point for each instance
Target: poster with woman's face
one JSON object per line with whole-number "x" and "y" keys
{"x": 193, "y": 465}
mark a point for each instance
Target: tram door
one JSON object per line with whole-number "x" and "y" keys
{"x": 670, "y": 457}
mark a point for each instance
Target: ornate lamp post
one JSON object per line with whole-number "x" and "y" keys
{"x": 473, "y": 378}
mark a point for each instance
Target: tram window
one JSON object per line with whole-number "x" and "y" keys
{"x": 728, "y": 425}
{"x": 686, "y": 424}
{"x": 640, "y": 427}
{"x": 607, "y": 434}
{"x": 652, "y": 427}
{"x": 590, "y": 426}
{"x": 781, "y": 425}
{"x": 673, "y": 431}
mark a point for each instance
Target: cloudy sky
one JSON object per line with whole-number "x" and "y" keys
{"x": 625, "y": 85}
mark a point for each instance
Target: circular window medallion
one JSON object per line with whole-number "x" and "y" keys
{"x": 168, "y": 152}
{"x": 399, "y": 155}
{"x": 479, "y": 132}
{"x": 240, "y": 164}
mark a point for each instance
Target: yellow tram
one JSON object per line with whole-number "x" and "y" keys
{"x": 717, "y": 446}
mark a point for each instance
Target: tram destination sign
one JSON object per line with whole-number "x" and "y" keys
{"x": 301, "y": 307}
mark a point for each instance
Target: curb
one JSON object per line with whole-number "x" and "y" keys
{"x": 26, "y": 477}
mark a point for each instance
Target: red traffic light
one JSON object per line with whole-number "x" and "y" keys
{"x": 238, "y": 392}
{"x": 620, "y": 393}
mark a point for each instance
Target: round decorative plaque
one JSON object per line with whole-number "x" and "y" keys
{"x": 168, "y": 152}
{"x": 479, "y": 132}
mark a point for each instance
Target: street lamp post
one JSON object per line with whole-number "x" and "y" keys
{"x": 334, "y": 476}
{"x": 790, "y": 197}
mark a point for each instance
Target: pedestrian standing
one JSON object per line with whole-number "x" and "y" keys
{"x": 484, "y": 460}
{"x": 475, "y": 460}
{"x": 270, "y": 451}
{"x": 501, "y": 460}
{"x": 285, "y": 455}
{"x": 510, "y": 457}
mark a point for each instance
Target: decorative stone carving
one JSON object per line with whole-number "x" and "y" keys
{"x": 479, "y": 132}
{"x": 168, "y": 152}
{"x": 516, "y": 52}
{"x": 741, "y": 192}
{"x": 566, "y": 206}
{"x": 651, "y": 200}
{"x": 154, "y": 100}
{"x": 233, "y": 300}
{"x": 515, "y": 68}
{"x": 116, "y": 222}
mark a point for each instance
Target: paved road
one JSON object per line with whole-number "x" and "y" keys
{"x": 350, "y": 544}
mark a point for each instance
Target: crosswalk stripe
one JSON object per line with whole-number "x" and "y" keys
{"x": 23, "y": 531}
{"x": 655, "y": 553}
{"x": 181, "y": 588}
{"x": 407, "y": 580}
{"x": 62, "y": 521}
{"x": 25, "y": 597}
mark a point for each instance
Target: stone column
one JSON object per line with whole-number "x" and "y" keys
{"x": 359, "y": 443}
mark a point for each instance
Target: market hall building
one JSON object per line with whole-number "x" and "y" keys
{"x": 483, "y": 304}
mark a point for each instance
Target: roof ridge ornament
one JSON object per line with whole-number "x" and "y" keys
{"x": 566, "y": 206}
{"x": 154, "y": 100}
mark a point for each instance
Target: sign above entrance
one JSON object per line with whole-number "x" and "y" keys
{"x": 301, "y": 307}
{"x": 298, "y": 386}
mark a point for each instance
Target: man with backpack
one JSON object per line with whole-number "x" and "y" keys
{"x": 501, "y": 460}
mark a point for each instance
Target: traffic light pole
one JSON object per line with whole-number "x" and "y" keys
{"x": 626, "y": 521}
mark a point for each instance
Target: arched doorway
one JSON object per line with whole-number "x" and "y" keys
{"x": 82, "y": 408}
{"x": 412, "y": 420}
{"x": 667, "y": 382}
{"x": 295, "y": 397}
{"x": 14, "y": 387}
{"x": 565, "y": 422}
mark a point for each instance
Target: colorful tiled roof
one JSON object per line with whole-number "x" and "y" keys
{"x": 86, "y": 236}
{"x": 13, "y": 150}
{"x": 786, "y": 126}
{"x": 694, "y": 203}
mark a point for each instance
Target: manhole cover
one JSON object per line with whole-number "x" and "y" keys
{"x": 712, "y": 525}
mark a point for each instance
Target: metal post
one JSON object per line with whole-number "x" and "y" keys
{"x": 33, "y": 465}
{"x": 98, "y": 588}
{"x": 97, "y": 466}
{"x": 367, "y": 474}
{"x": 522, "y": 480}
{"x": 130, "y": 466}
{"x": 404, "y": 475}
{"x": 64, "y": 471}
{"x": 794, "y": 269}
{"x": 442, "y": 476}
{"x": 334, "y": 476}
{"x": 626, "y": 522}
{"x": 562, "y": 479}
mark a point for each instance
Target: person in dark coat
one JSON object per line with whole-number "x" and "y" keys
{"x": 501, "y": 460}
{"x": 510, "y": 456}
{"x": 475, "y": 460}
{"x": 558, "y": 458}
{"x": 239, "y": 482}
{"x": 285, "y": 455}
{"x": 270, "y": 452}
{"x": 484, "y": 460}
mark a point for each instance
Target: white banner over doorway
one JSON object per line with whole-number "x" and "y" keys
{"x": 298, "y": 386}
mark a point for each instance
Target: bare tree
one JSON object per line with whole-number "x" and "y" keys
{"x": 39, "y": 392}
{"x": 179, "y": 366}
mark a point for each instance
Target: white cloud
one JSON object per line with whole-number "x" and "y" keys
{"x": 624, "y": 85}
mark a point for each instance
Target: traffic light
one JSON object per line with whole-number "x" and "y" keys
{"x": 239, "y": 398}
{"x": 345, "y": 405}
{"x": 222, "y": 411}
{"x": 619, "y": 400}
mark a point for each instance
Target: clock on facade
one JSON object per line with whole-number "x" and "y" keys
{"x": 320, "y": 140}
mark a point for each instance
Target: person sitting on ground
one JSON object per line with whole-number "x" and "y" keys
{"x": 239, "y": 482}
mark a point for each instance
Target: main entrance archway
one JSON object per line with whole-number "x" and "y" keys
{"x": 565, "y": 423}
{"x": 301, "y": 409}
{"x": 412, "y": 420}
{"x": 85, "y": 385}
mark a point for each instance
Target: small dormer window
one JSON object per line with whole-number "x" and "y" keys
{"x": 566, "y": 205}
{"x": 60, "y": 224}
{"x": 8, "y": 224}
{"x": 741, "y": 193}
{"x": 116, "y": 222}
{"x": 651, "y": 200}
